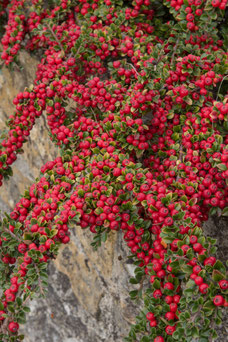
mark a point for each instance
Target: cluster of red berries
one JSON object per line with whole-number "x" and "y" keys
{"x": 15, "y": 31}
{"x": 3, "y": 5}
{"x": 141, "y": 145}
{"x": 194, "y": 9}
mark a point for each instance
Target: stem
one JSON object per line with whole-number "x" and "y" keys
{"x": 181, "y": 258}
{"x": 94, "y": 115}
{"x": 39, "y": 280}
{"x": 196, "y": 314}
{"x": 180, "y": 157}
{"x": 133, "y": 68}
{"x": 220, "y": 86}
{"x": 12, "y": 234}
{"x": 212, "y": 327}
{"x": 56, "y": 38}
{"x": 27, "y": 298}
{"x": 141, "y": 283}
{"x": 174, "y": 51}
{"x": 4, "y": 326}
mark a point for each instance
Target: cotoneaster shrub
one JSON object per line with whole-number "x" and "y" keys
{"x": 134, "y": 93}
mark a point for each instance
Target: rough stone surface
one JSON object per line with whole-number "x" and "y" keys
{"x": 87, "y": 297}
{"x": 38, "y": 149}
{"x": 217, "y": 229}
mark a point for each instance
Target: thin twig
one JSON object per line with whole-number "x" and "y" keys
{"x": 133, "y": 68}
{"x": 141, "y": 283}
{"x": 56, "y": 38}
{"x": 181, "y": 160}
{"x": 12, "y": 234}
{"x": 27, "y": 299}
{"x": 95, "y": 119}
{"x": 39, "y": 280}
{"x": 181, "y": 258}
{"x": 220, "y": 86}
{"x": 174, "y": 51}
{"x": 196, "y": 314}
{"x": 4, "y": 326}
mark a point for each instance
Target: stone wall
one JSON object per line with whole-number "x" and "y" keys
{"x": 87, "y": 297}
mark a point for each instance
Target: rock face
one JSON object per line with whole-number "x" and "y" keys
{"x": 87, "y": 297}
{"x": 88, "y": 292}
{"x": 39, "y": 148}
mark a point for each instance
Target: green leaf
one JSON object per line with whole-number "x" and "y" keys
{"x": 208, "y": 305}
{"x": 195, "y": 307}
{"x": 153, "y": 208}
{"x": 80, "y": 193}
{"x": 133, "y": 294}
{"x": 133, "y": 281}
{"x": 217, "y": 276}
{"x": 156, "y": 284}
{"x": 219, "y": 266}
{"x": 195, "y": 332}
{"x": 21, "y": 320}
{"x": 19, "y": 301}
{"x": 176, "y": 335}
{"x": 43, "y": 239}
{"x": 184, "y": 198}
{"x": 3, "y": 158}
{"x": 11, "y": 308}
{"x": 186, "y": 269}
{"x": 145, "y": 339}
{"x": 192, "y": 201}
{"x": 104, "y": 236}
{"x": 187, "y": 315}
{"x": 225, "y": 212}
{"x": 175, "y": 136}
{"x": 222, "y": 167}
{"x": 53, "y": 232}
{"x": 28, "y": 236}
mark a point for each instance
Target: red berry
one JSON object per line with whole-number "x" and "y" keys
{"x": 209, "y": 261}
{"x": 176, "y": 299}
{"x": 218, "y": 300}
{"x": 170, "y": 329}
{"x": 13, "y": 327}
{"x": 48, "y": 243}
{"x": 203, "y": 288}
{"x": 159, "y": 339}
{"x": 199, "y": 280}
{"x": 173, "y": 307}
{"x": 197, "y": 247}
{"x": 1, "y": 317}
{"x": 196, "y": 269}
{"x": 223, "y": 284}
{"x": 169, "y": 299}
{"x": 157, "y": 294}
{"x": 22, "y": 247}
{"x": 150, "y": 316}
{"x": 153, "y": 323}
{"x": 168, "y": 286}
{"x": 169, "y": 316}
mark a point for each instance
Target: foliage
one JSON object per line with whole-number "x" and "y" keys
{"x": 135, "y": 98}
